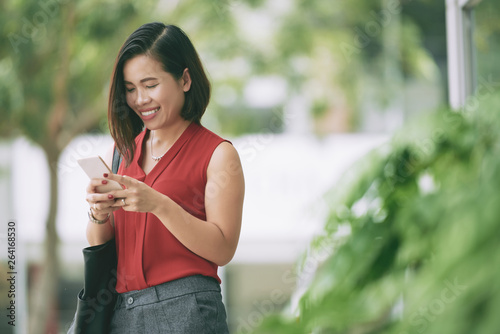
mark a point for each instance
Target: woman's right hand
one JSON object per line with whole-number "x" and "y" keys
{"x": 101, "y": 207}
{"x": 100, "y": 204}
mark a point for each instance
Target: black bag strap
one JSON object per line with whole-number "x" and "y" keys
{"x": 117, "y": 160}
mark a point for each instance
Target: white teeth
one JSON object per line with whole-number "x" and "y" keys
{"x": 151, "y": 112}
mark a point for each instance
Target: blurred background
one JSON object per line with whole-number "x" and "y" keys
{"x": 303, "y": 89}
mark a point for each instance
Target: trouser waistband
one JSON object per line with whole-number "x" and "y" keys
{"x": 167, "y": 290}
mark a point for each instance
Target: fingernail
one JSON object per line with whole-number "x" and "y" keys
{"x": 110, "y": 196}
{"x": 105, "y": 174}
{"x": 104, "y": 182}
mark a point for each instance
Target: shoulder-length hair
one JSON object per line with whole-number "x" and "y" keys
{"x": 170, "y": 46}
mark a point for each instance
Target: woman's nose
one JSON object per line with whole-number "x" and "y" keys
{"x": 142, "y": 97}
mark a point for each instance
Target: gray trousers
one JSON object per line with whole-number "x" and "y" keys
{"x": 187, "y": 305}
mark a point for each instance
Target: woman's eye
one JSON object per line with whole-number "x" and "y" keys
{"x": 153, "y": 86}
{"x": 129, "y": 90}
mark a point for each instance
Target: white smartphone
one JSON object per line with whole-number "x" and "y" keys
{"x": 95, "y": 167}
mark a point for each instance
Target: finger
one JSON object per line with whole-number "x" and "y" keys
{"x": 120, "y": 202}
{"x": 124, "y": 180}
{"x": 117, "y": 194}
{"x": 94, "y": 183}
{"x": 103, "y": 207}
{"x": 97, "y": 197}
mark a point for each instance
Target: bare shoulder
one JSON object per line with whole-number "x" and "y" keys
{"x": 225, "y": 158}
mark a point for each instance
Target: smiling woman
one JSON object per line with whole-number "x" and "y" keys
{"x": 171, "y": 234}
{"x": 160, "y": 50}
{"x": 155, "y": 95}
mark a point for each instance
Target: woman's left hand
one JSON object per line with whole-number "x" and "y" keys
{"x": 137, "y": 196}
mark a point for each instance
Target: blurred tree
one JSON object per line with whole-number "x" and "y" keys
{"x": 337, "y": 56}
{"x": 359, "y": 52}
{"x": 487, "y": 40}
{"x": 54, "y": 67}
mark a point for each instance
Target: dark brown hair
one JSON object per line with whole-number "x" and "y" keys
{"x": 170, "y": 46}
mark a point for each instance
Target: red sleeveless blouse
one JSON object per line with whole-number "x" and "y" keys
{"x": 148, "y": 254}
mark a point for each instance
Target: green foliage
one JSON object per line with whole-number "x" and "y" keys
{"x": 487, "y": 38}
{"x": 56, "y": 63}
{"x": 350, "y": 43}
{"x": 305, "y": 43}
{"x": 422, "y": 252}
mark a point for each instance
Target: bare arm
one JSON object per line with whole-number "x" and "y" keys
{"x": 215, "y": 239}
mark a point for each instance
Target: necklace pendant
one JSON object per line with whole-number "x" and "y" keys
{"x": 152, "y": 155}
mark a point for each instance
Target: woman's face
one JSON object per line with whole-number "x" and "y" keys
{"x": 153, "y": 94}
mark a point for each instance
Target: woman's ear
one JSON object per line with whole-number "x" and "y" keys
{"x": 186, "y": 80}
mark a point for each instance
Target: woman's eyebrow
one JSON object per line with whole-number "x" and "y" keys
{"x": 143, "y": 80}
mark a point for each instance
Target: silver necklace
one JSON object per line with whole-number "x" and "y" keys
{"x": 152, "y": 155}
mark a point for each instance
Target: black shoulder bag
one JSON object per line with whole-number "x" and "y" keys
{"x": 96, "y": 301}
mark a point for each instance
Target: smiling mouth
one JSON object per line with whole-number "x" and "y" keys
{"x": 150, "y": 112}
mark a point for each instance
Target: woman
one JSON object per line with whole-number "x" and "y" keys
{"x": 179, "y": 216}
